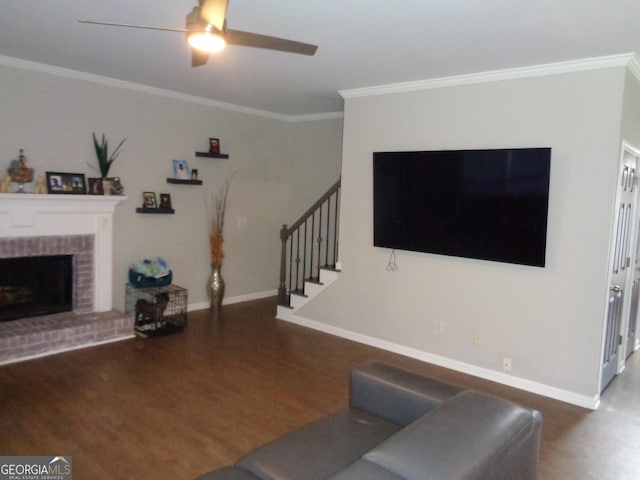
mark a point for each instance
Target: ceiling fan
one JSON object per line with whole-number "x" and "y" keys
{"x": 206, "y": 31}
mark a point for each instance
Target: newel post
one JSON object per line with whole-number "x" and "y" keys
{"x": 282, "y": 288}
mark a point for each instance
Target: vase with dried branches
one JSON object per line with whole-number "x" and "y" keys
{"x": 216, "y": 285}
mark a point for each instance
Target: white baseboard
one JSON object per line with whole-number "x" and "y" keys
{"x": 231, "y": 300}
{"x": 481, "y": 372}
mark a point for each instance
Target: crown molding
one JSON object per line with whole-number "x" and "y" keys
{"x": 629, "y": 60}
{"x": 170, "y": 94}
{"x": 312, "y": 117}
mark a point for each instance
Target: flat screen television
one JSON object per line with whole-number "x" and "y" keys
{"x": 482, "y": 204}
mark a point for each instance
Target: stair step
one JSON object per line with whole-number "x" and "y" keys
{"x": 297, "y": 301}
{"x": 312, "y": 287}
{"x": 330, "y": 269}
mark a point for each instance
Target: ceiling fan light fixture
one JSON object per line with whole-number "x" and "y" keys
{"x": 206, "y": 41}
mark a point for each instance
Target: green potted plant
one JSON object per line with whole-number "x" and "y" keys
{"x": 105, "y": 160}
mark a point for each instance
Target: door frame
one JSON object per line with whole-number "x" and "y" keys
{"x": 633, "y": 241}
{"x": 626, "y": 148}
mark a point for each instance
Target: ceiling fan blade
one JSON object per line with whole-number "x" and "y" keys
{"x": 198, "y": 57}
{"x": 129, "y": 25}
{"x": 214, "y": 12}
{"x": 248, "y": 39}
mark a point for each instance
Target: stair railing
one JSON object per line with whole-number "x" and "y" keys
{"x": 310, "y": 244}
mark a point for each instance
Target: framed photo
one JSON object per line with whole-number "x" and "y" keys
{"x": 214, "y": 145}
{"x": 95, "y": 186}
{"x": 66, "y": 183}
{"x": 165, "y": 200}
{"x": 116, "y": 186}
{"x": 149, "y": 200}
{"x": 181, "y": 169}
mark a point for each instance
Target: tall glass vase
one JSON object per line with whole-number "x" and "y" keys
{"x": 216, "y": 288}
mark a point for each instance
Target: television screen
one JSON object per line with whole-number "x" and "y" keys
{"x": 483, "y": 204}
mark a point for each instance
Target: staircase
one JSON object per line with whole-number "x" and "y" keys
{"x": 308, "y": 258}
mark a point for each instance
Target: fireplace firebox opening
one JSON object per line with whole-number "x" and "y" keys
{"x": 36, "y": 285}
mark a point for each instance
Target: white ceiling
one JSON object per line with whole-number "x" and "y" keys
{"x": 361, "y": 43}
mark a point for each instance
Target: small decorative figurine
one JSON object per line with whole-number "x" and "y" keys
{"x": 41, "y": 186}
{"x": 5, "y": 185}
{"x": 19, "y": 172}
{"x": 116, "y": 186}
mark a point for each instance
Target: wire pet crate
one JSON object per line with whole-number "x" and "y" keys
{"x": 157, "y": 310}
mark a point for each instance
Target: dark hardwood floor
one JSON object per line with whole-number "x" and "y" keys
{"x": 178, "y": 406}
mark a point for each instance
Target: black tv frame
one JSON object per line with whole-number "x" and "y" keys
{"x": 489, "y": 204}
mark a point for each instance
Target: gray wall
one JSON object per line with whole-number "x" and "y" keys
{"x": 549, "y": 321}
{"x": 630, "y": 125}
{"x": 52, "y": 117}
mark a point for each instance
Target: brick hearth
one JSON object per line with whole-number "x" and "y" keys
{"x": 34, "y": 337}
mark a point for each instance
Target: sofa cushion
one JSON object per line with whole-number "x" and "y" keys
{"x": 318, "y": 450}
{"x": 227, "y": 473}
{"x": 472, "y": 436}
{"x": 364, "y": 470}
{"x": 396, "y": 394}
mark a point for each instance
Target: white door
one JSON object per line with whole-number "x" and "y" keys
{"x": 630, "y": 320}
{"x": 620, "y": 298}
{"x": 631, "y": 336}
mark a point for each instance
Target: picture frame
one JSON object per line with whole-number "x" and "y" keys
{"x": 214, "y": 145}
{"x": 95, "y": 186}
{"x": 64, "y": 183}
{"x": 181, "y": 169}
{"x": 149, "y": 200}
{"x": 165, "y": 201}
{"x": 116, "y": 186}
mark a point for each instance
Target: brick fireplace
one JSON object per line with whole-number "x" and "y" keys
{"x": 36, "y": 225}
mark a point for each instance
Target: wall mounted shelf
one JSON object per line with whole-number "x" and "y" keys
{"x": 212, "y": 155}
{"x": 155, "y": 210}
{"x": 180, "y": 181}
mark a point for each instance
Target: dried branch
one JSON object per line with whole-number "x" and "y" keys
{"x": 216, "y": 225}
{"x": 220, "y": 205}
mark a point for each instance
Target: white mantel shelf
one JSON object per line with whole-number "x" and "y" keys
{"x": 20, "y": 209}
{"x": 31, "y": 215}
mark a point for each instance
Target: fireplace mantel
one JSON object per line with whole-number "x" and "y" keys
{"x": 30, "y": 215}
{"x": 34, "y": 213}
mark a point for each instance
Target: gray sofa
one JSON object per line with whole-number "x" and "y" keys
{"x": 402, "y": 425}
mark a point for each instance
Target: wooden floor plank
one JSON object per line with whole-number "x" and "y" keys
{"x": 177, "y": 406}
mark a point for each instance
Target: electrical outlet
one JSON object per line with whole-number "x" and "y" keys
{"x": 477, "y": 339}
{"x": 440, "y": 327}
{"x": 506, "y": 364}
